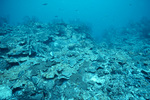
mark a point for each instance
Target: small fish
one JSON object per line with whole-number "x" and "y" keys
{"x": 130, "y": 4}
{"x": 76, "y": 10}
{"x": 45, "y": 4}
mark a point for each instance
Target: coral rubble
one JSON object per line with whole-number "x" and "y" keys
{"x": 61, "y": 62}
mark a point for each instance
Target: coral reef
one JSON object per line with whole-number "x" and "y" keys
{"x": 59, "y": 61}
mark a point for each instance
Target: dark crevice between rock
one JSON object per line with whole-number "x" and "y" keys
{"x": 146, "y": 75}
{"x": 144, "y": 72}
{"x": 4, "y": 50}
{"x": 59, "y": 82}
{"x": 14, "y": 90}
{"x": 23, "y": 55}
{"x": 50, "y": 39}
{"x": 12, "y": 64}
{"x": 23, "y": 43}
{"x": 147, "y": 78}
{"x": 121, "y": 63}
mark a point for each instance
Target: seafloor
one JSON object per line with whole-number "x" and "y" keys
{"x": 59, "y": 61}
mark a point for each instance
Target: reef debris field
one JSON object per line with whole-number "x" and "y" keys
{"x": 60, "y": 61}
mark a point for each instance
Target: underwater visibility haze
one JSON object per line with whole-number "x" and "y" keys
{"x": 99, "y": 14}
{"x": 74, "y": 49}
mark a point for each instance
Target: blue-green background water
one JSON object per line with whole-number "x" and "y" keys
{"x": 98, "y": 14}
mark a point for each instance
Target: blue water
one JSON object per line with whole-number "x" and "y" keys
{"x": 99, "y": 14}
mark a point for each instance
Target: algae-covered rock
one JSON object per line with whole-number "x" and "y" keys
{"x": 5, "y": 92}
{"x": 4, "y": 64}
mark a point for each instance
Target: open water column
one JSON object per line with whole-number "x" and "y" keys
{"x": 74, "y": 50}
